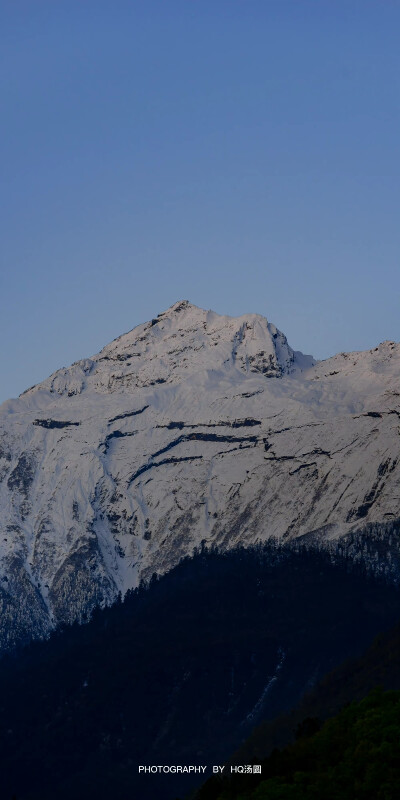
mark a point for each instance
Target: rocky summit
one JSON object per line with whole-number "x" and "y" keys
{"x": 192, "y": 428}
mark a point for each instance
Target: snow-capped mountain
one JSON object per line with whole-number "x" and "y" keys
{"x": 191, "y": 428}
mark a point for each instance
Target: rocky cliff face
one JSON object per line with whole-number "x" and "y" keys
{"x": 192, "y": 427}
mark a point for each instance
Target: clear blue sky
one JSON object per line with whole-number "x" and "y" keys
{"x": 241, "y": 154}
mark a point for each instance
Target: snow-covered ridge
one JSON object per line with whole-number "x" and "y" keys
{"x": 183, "y": 338}
{"x": 191, "y": 427}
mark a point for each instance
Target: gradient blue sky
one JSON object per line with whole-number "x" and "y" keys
{"x": 243, "y": 155}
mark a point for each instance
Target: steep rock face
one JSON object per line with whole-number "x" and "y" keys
{"x": 193, "y": 427}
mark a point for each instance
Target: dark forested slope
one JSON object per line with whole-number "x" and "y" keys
{"x": 354, "y": 756}
{"x": 180, "y": 672}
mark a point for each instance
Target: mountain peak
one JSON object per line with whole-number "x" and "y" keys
{"x": 186, "y": 340}
{"x": 180, "y": 305}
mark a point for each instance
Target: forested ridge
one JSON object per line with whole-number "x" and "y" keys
{"x": 354, "y": 756}
{"x": 181, "y": 671}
